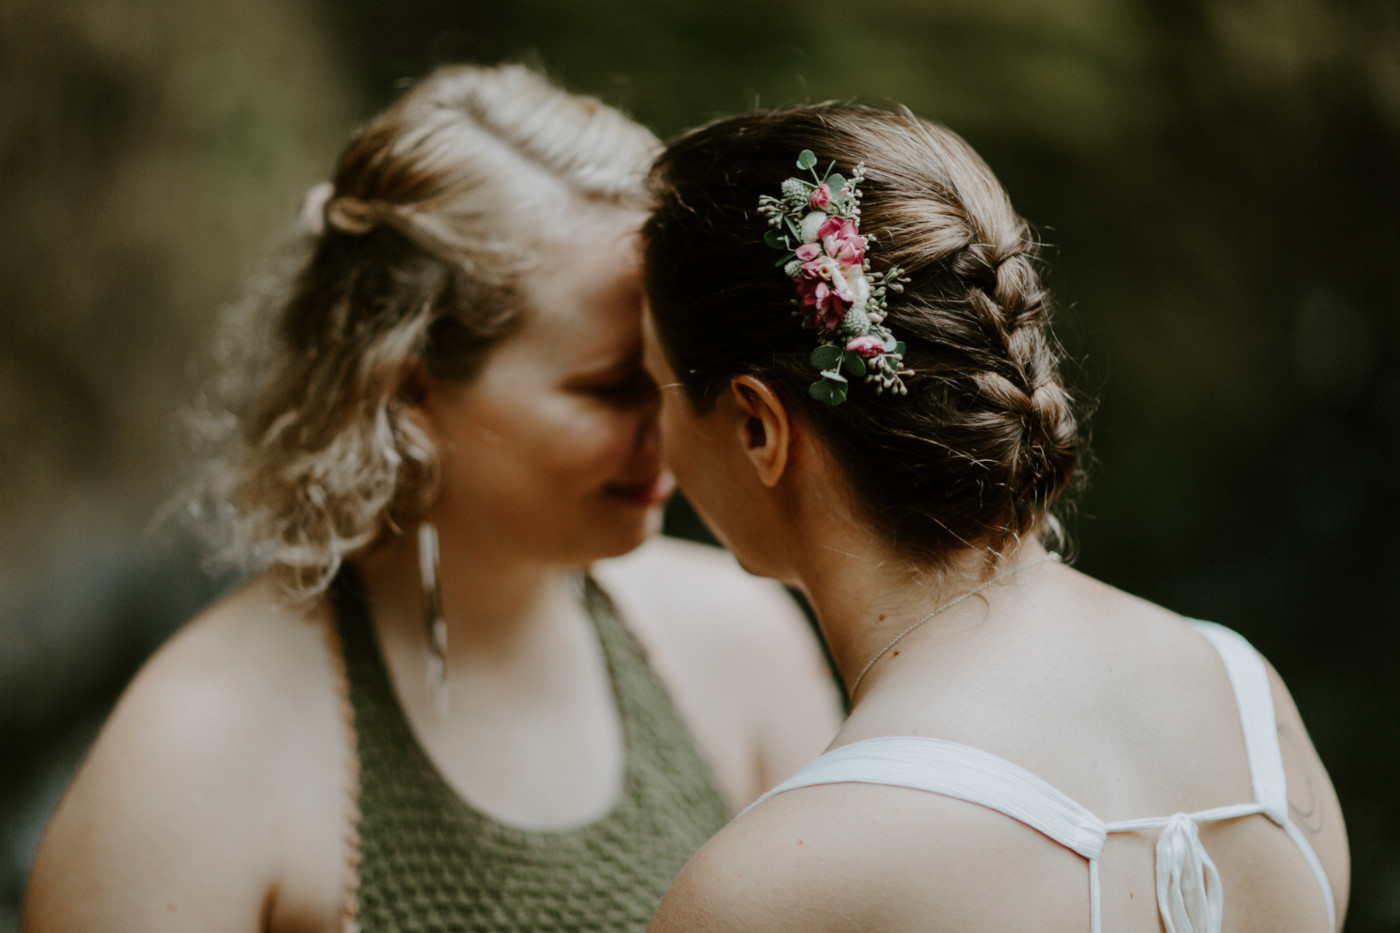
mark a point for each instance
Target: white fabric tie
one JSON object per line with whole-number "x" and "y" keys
{"x": 1188, "y": 886}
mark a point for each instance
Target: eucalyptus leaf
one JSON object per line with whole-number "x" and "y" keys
{"x": 899, "y": 347}
{"x": 837, "y": 181}
{"x": 889, "y": 342}
{"x": 806, "y": 159}
{"x": 828, "y": 393}
{"x": 775, "y": 239}
{"x": 834, "y": 376}
{"x": 826, "y": 356}
{"x": 855, "y": 364}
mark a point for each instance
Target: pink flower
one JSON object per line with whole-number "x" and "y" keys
{"x": 823, "y": 304}
{"x": 808, "y": 251}
{"x": 842, "y": 241}
{"x": 819, "y": 267}
{"x": 820, "y": 198}
{"x": 866, "y": 346}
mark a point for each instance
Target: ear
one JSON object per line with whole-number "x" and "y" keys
{"x": 764, "y": 430}
{"x": 412, "y": 395}
{"x": 414, "y": 383}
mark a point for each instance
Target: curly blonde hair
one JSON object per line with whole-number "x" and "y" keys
{"x": 437, "y": 206}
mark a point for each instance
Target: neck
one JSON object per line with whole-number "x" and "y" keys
{"x": 865, "y": 597}
{"x": 495, "y": 604}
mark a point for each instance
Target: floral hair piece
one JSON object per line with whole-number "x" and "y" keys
{"x": 816, "y": 224}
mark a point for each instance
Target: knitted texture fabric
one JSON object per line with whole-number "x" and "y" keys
{"x": 429, "y": 861}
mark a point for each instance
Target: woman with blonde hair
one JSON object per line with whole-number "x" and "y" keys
{"x": 861, "y": 394}
{"x": 426, "y": 714}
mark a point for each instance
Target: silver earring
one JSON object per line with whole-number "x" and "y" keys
{"x": 434, "y": 623}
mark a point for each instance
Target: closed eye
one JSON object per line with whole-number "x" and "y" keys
{"x": 635, "y": 386}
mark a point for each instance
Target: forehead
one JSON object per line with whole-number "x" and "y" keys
{"x": 583, "y": 299}
{"x": 652, "y": 353}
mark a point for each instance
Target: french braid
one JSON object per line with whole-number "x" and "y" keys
{"x": 987, "y": 438}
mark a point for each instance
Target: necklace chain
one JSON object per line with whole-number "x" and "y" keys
{"x": 855, "y": 684}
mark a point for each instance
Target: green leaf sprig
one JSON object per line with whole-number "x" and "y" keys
{"x": 860, "y": 347}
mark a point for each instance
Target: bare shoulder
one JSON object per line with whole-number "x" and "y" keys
{"x": 849, "y": 856}
{"x": 246, "y": 672}
{"x": 741, "y": 659}
{"x": 696, "y": 599}
{"x": 1312, "y": 800}
{"x": 199, "y": 772}
{"x": 1157, "y": 669}
{"x": 1179, "y": 686}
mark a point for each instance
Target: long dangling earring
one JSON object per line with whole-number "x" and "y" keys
{"x": 434, "y": 623}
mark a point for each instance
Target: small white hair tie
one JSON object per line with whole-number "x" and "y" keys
{"x": 311, "y": 217}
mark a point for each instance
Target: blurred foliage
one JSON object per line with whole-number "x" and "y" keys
{"x": 1214, "y": 182}
{"x": 146, "y": 151}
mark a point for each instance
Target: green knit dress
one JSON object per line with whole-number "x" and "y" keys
{"x": 429, "y": 861}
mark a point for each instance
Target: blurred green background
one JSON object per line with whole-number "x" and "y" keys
{"x": 1216, "y": 183}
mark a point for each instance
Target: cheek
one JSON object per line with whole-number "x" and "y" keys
{"x": 587, "y": 443}
{"x": 673, "y": 443}
{"x": 687, "y": 453}
{"x": 523, "y": 453}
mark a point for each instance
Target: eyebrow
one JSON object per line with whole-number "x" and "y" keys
{"x": 614, "y": 366}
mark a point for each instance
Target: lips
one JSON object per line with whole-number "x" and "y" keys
{"x": 645, "y": 493}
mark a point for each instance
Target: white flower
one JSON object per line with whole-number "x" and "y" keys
{"x": 831, "y": 270}
{"x": 859, "y": 285}
{"x": 811, "y": 224}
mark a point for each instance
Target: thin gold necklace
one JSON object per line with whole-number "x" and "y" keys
{"x": 855, "y": 685}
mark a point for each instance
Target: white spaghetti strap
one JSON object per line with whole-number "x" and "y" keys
{"x": 1189, "y": 894}
{"x": 1254, "y": 696}
{"x": 1315, "y": 864}
{"x": 1231, "y": 812}
{"x": 1095, "y": 921}
{"x": 1255, "y": 699}
{"x": 959, "y": 771}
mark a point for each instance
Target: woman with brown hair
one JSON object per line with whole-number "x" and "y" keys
{"x": 861, "y": 394}
{"x": 425, "y": 714}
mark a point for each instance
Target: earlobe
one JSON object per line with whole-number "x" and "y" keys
{"x": 411, "y": 400}
{"x": 414, "y": 381}
{"x": 764, "y": 429}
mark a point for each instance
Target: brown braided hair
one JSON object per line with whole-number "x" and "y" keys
{"x": 986, "y": 440}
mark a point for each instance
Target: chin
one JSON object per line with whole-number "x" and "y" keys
{"x": 621, "y": 533}
{"x": 760, "y": 569}
{"x": 755, "y": 560}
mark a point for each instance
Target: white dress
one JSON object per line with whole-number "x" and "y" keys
{"x": 1189, "y": 895}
